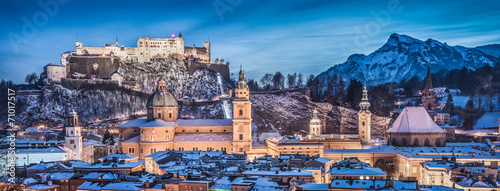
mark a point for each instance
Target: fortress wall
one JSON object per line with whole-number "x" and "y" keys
{"x": 101, "y": 67}
{"x": 223, "y": 69}
{"x": 198, "y": 52}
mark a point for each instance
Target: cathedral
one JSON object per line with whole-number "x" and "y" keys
{"x": 163, "y": 130}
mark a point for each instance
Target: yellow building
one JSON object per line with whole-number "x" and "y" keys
{"x": 162, "y": 130}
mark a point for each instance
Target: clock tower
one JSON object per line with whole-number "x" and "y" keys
{"x": 73, "y": 139}
{"x": 364, "y": 118}
{"x": 242, "y": 116}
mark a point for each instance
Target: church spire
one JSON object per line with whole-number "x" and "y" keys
{"x": 364, "y": 105}
{"x": 117, "y": 40}
{"x": 428, "y": 79}
{"x": 242, "y": 76}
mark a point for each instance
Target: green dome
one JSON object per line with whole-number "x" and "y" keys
{"x": 161, "y": 99}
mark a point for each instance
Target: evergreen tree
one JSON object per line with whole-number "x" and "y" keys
{"x": 354, "y": 93}
{"x": 450, "y": 106}
{"x": 300, "y": 80}
{"x": 469, "y": 115}
{"x": 340, "y": 92}
{"x": 106, "y": 136}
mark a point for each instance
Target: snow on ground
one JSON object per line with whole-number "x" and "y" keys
{"x": 488, "y": 120}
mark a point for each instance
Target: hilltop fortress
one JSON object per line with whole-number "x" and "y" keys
{"x": 150, "y": 48}
{"x": 102, "y": 62}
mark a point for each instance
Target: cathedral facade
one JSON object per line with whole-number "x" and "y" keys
{"x": 162, "y": 130}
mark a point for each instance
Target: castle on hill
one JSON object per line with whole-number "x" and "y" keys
{"x": 148, "y": 49}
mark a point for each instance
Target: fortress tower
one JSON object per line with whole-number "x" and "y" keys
{"x": 364, "y": 118}
{"x": 242, "y": 117}
{"x": 428, "y": 98}
{"x": 73, "y": 139}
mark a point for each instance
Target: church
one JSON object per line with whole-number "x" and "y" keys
{"x": 162, "y": 129}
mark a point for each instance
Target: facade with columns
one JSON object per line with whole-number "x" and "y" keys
{"x": 162, "y": 130}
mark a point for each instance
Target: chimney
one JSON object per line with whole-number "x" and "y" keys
{"x": 480, "y": 177}
{"x": 147, "y": 184}
{"x": 49, "y": 183}
{"x": 494, "y": 164}
{"x": 44, "y": 178}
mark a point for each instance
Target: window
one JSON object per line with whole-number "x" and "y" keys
{"x": 210, "y": 130}
{"x": 223, "y": 148}
{"x": 170, "y": 115}
{"x": 210, "y": 148}
{"x": 121, "y": 137}
{"x": 363, "y": 123}
{"x": 183, "y": 131}
{"x": 241, "y": 112}
{"x": 241, "y": 149}
{"x": 159, "y": 115}
{"x": 195, "y": 148}
{"x": 153, "y": 150}
{"x": 71, "y": 141}
{"x": 141, "y": 150}
{"x": 167, "y": 137}
{"x": 71, "y": 132}
{"x": 197, "y": 130}
{"x": 241, "y": 137}
{"x": 181, "y": 148}
{"x": 131, "y": 150}
{"x": 224, "y": 130}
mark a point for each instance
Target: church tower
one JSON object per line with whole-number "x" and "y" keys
{"x": 364, "y": 118}
{"x": 73, "y": 139}
{"x": 242, "y": 116}
{"x": 428, "y": 98}
{"x": 315, "y": 125}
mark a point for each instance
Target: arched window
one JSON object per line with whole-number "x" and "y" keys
{"x": 167, "y": 137}
{"x": 438, "y": 142}
{"x": 404, "y": 143}
{"x": 241, "y": 112}
{"x": 427, "y": 143}
{"x": 415, "y": 142}
{"x": 159, "y": 115}
{"x": 394, "y": 142}
{"x": 170, "y": 115}
{"x": 363, "y": 123}
{"x": 71, "y": 133}
{"x": 429, "y": 107}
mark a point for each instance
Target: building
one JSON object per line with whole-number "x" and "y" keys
{"x": 150, "y": 48}
{"x": 73, "y": 139}
{"x": 442, "y": 119}
{"x": 428, "y": 98}
{"x": 414, "y": 127}
{"x": 354, "y": 169}
{"x": 162, "y": 130}
{"x": 55, "y": 72}
{"x": 315, "y": 125}
{"x": 364, "y": 118}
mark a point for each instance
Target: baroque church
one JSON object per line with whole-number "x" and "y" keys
{"x": 163, "y": 130}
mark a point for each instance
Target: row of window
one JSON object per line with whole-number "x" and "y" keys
{"x": 131, "y": 150}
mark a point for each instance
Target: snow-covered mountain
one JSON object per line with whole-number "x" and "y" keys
{"x": 403, "y": 57}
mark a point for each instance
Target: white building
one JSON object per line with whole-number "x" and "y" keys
{"x": 73, "y": 139}
{"x": 28, "y": 156}
{"x": 55, "y": 72}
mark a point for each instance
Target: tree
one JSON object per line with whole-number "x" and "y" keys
{"x": 299, "y": 80}
{"x": 450, "y": 106}
{"x": 291, "y": 79}
{"x": 219, "y": 60}
{"x": 387, "y": 165}
{"x": 340, "y": 92}
{"x": 253, "y": 85}
{"x": 309, "y": 81}
{"x": 469, "y": 114}
{"x": 278, "y": 81}
{"x": 354, "y": 93}
{"x": 106, "y": 136}
{"x": 267, "y": 81}
{"x": 31, "y": 78}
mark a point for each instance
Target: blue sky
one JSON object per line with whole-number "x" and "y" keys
{"x": 264, "y": 36}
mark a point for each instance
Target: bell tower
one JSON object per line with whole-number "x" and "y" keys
{"x": 73, "y": 139}
{"x": 315, "y": 125}
{"x": 242, "y": 116}
{"x": 428, "y": 98}
{"x": 364, "y": 118}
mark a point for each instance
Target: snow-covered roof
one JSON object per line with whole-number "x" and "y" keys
{"x": 414, "y": 119}
{"x": 206, "y": 137}
{"x": 280, "y": 173}
{"x": 158, "y": 123}
{"x": 41, "y": 166}
{"x": 314, "y": 186}
{"x": 488, "y": 120}
{"x": 119, "y": 156}
{"x": 29, "y": 181}
{"x": 133, "y": 139}
{"x": 134, "y": 122}
{"x": 87, "y": 185}
{"x": 124, "y": 186}
{"x": 357, "y": 170}
{"x": 41, "y": 186}
{"x": 101, "y": 175}
{"x": 204, "y": 122}
{"x": 58, "y": 175}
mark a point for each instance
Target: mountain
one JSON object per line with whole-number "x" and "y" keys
{"x": 403, "y": 57}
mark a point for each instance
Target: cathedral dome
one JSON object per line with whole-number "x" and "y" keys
{"x": 161, "y": 97}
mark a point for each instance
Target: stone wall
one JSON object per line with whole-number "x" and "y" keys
{"x": 223, "y": 69}
{"x": 98, "y": 66}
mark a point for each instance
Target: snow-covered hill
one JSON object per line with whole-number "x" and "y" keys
{"x": 290, "y": 112}
{"x": 403, "y": 57}
{"x": 101, "y": 104}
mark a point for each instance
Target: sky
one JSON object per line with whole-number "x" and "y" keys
{"x": 263, "y": 36}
